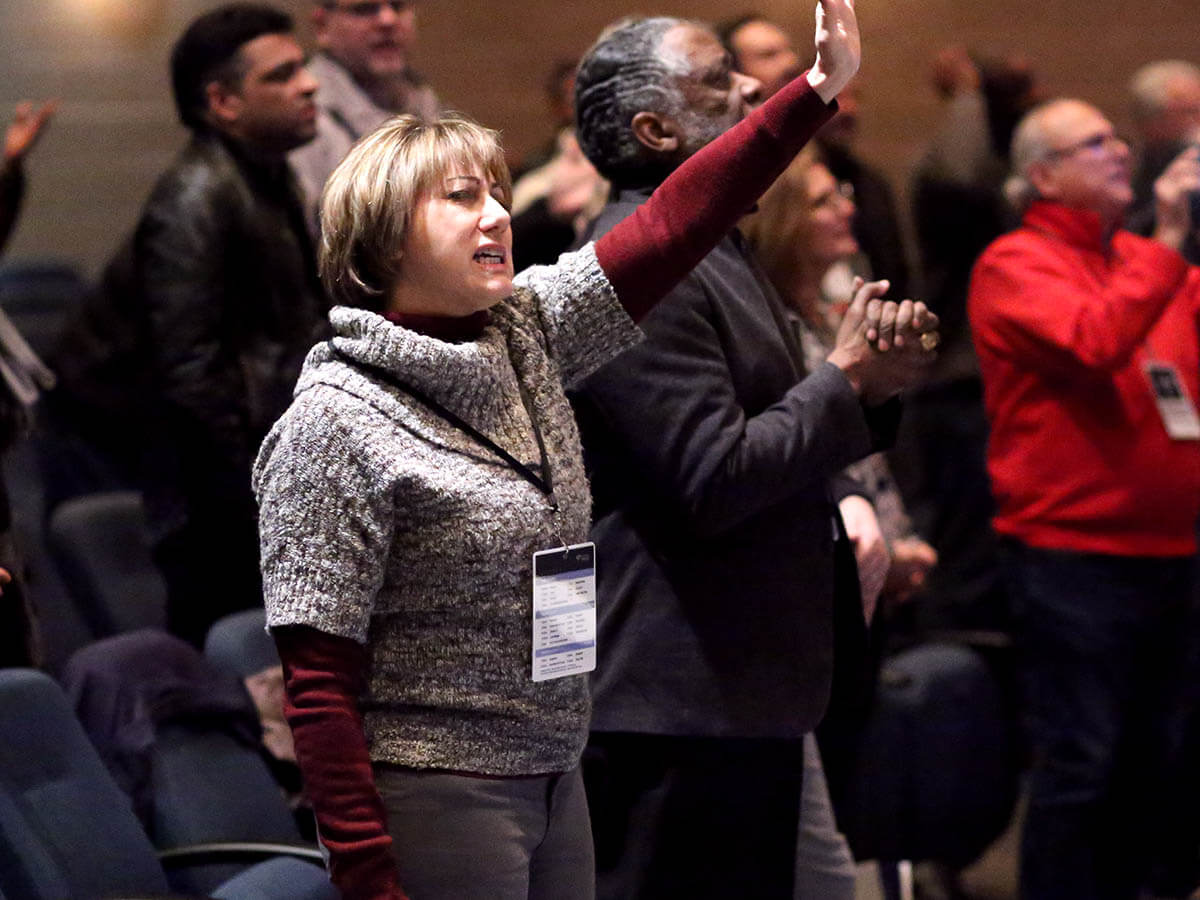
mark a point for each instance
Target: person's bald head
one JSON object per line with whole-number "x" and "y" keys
{"x": 1066, "y": 151}
{"x": 1165, "y": 101}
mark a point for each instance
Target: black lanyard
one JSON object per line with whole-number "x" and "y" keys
{"x": 543, "y": 482}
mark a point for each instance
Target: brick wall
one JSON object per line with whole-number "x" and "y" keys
{"x": 116, "y": 128}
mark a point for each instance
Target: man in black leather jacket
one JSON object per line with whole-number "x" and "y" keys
{"x": 190, "y": 350}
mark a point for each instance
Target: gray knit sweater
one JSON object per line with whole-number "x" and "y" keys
{"x": 383, "y": 523}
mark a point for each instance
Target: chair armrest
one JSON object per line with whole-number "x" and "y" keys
{"x": 231, "y": 851}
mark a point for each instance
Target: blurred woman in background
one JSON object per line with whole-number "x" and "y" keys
{"x": 802, "y": 237}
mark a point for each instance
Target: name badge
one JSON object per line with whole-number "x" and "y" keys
{"x": 564, "y": 611}
{"x": 1174, "y": 405}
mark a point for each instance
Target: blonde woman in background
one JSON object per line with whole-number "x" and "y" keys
{"x": 802, "y": 237}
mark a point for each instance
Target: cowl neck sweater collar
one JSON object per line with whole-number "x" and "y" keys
{"x": 475, "y": 379}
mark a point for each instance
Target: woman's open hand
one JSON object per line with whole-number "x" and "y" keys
{"x": 839, "y": 50}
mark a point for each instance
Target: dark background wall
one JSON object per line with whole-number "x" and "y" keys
{"x": 106, "y": 59}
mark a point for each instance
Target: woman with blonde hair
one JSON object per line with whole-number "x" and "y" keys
{"x": 802, "y": 236}
{"x": 428, "y": 455}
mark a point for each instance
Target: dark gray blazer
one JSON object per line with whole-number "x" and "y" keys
{"x": 712, "y": 456}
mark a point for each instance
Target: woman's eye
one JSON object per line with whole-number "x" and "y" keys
{"x": 458, "y": 196}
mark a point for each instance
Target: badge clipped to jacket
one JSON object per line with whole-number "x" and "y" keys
{"x": 1174, "y": 405}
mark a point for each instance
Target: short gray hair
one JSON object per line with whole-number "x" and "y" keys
{"x": 1148, "y": 86}
{"x": 1029, "y": 146}
{"x": 624, "y": 73}
{"x": 368, "y": 202}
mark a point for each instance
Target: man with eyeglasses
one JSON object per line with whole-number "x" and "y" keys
{"x": 1088, "y": 348}
{"x": 362, "y": 67}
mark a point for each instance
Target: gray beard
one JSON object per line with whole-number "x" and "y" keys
{"x": 701, "y": 129}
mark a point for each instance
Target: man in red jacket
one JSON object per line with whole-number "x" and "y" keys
{"x": 1087, "y": 343}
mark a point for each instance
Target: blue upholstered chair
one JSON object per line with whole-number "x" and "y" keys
{"x": 67, "y": 830}
{"x": 38, "y": 296}
{"x": 102, "y": 549}
{"x": 239, "y": 644}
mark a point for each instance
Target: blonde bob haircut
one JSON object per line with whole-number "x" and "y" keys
{"x": 368, "y": 201}
{"x": 775, "y": 231}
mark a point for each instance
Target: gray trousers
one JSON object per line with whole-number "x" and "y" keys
{"x": 461, "y": 837}
{"x": 824, "y": 867}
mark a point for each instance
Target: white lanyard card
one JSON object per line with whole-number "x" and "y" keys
{"x": 564, "y": 611}
{"x": 1174, "y": 405}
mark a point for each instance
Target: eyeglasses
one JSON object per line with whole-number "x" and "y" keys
{"x": 1094, "y": 144}
{"x": 370, "y": 9}
{"x": 843, "y": 191}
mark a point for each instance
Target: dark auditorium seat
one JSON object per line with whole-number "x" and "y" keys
{"x": 102, "y": 549}
{"x": 66, "y": 829}
{"x": 183, "y": 739}
{"x": 239, "y": 643}
{"x": 211, "y": 789}
{"x": 938, "y": 773}
{"x": 39, "y": 296}
{"x": 63, "y": 629}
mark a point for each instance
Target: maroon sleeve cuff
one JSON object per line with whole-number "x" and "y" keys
{"x": 323, "y": 678}
{"x": 700, "y": 202}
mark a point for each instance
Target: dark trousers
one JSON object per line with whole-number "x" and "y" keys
{"x": 1103, "y": 645}
{"x": 938, "y": 461}
{"x": 17, "y": 643}
{"x": 693, "y": 817}
{"x": 16, "y": 634}
{"x": 211, "y": 569}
